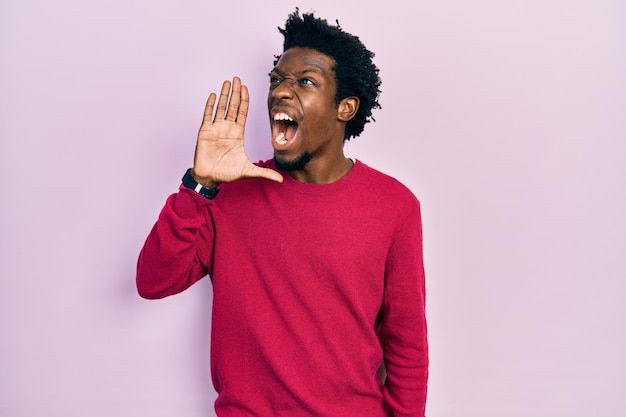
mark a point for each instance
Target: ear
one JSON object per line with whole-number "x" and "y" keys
{"x": 347, "y": 108}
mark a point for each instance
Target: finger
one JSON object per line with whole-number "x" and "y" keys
{"x": 242, "y": 114}
{"x": 256, "y": 171}
{"x": 223, "y": 101}
{"x": 208, "y": 110}
{"x": 235, "y": 97}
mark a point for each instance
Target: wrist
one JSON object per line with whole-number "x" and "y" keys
{"x": 206, "y": 182}
{"x": 207, "y": 189}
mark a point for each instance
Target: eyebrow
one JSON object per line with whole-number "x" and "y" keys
{"x": 310, "y": 68}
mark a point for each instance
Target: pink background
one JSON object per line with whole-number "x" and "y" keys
{"x": 506, "y": 118}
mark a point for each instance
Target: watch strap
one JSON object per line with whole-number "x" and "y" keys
{"x": 191, "y": 183}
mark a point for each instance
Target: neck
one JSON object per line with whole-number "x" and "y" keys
{"x": 323, "y": 171}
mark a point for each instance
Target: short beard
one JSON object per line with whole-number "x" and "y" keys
{"x": 295, "y": 165}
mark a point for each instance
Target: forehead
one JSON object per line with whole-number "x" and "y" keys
{"x": 305, "y": 59}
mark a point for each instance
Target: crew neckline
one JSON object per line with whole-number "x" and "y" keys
{"x": 342, "y": 184}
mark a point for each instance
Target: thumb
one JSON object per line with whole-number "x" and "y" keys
{"x": 256, "y": 171}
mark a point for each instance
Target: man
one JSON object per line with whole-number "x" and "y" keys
{"x": 315, "y": 259}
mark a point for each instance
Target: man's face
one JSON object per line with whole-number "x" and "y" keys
{"x": 302, "y": 108}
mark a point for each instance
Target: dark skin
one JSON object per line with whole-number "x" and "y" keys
{"x": 302, "y": 89}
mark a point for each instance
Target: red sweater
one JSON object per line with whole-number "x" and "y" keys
{"x": 313, "y": 285}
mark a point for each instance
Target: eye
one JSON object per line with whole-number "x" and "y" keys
{"x": 274, "y": 79}
{"x": 307, "y": 81}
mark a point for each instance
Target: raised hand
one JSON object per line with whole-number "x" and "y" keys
{"x": 220, "y": 155}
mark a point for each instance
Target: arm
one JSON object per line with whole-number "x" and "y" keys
{"x": 403, "y": 323}
{"x": 178, "y": 250}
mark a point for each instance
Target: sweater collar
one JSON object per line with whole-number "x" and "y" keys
{"x": 345, "y": 183}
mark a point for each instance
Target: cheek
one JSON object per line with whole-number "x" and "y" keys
{"x": 321, "y": 110}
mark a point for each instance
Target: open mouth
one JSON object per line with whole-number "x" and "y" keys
{"x": 285, "y": 129}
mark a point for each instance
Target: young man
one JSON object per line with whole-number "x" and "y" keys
{"x": 315, "y": 259}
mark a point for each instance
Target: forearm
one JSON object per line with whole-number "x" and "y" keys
{"x": 403, "y": 330}
{"x": 407, "y": 375}
{"x": 406, "y": 361}
{"x": 177, "y": 252}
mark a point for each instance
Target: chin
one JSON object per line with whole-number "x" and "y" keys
{"x": 294, "y": 165}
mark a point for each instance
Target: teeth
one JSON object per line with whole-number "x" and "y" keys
{"x": 280, "y": 139}
{"x": 282, "y": 116}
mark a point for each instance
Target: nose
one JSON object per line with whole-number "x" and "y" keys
{"x": 284, "y": 90}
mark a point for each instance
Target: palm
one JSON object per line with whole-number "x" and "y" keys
{"x": 220, "y": 155}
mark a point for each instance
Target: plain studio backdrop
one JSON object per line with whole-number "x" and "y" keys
{"x": 506, "y": 118}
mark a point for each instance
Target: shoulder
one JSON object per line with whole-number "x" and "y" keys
{"x": 385, "y": 186}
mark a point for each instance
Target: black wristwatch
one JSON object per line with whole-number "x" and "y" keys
{"x": 191, "y": 183}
